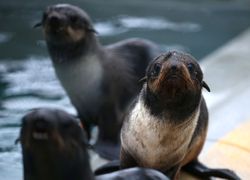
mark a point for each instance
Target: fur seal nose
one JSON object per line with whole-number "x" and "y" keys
{"x": 55, "y": 20}
{"x": 173, "y": 67}
{"x": 41, "y": 125}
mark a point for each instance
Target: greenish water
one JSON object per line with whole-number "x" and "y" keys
{"x": 26, "y": 76}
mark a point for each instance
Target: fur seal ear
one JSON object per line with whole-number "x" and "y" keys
{"x": 142, "y": 80}
{"x": 204, "y": 84}
{"x": 17, "y": 140}
{"x": 39, "y": 24}
{"x": 90, "y": 29}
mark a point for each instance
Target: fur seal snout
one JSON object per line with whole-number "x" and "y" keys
{"x": 99, "y": 80}
{"x": 167, "y": 125}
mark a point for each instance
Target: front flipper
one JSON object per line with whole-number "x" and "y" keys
{"x": 108, "y": 141}
{"x": 200, "y": 170}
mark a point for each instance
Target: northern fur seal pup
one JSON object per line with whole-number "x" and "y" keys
{"x": 167, "y": 126}
{"x": 100, "y": 81}
{"x": 54, "y": 147}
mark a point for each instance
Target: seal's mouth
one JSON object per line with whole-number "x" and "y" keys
{"x": 173, "y": 76}
{"x": 40, "y": 136}
{"x": 40, "y": 130}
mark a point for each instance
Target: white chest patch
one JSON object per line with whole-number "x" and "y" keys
{"x": 81, "y": 79}
{"x": 155, "y": 142}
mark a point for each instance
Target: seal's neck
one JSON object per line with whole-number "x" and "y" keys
{"x": 68, "y": 52}
{"x": 176, "y": 109}
{"x": 56, "y": 166}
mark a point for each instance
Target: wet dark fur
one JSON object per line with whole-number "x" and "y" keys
{"x": 49, "y": 159}
{"x": 172, "y": 107}
{"x": 62, "y": 156}
{"x": 123, "y": 64}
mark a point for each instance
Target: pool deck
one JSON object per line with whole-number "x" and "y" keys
{"x": 227, "y": 72}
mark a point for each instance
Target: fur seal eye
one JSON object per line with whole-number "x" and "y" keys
{"x": 156, "y": 69}
{"x": 190, "y": 67}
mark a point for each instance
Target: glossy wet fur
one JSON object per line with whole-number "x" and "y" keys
{"x": 60, "y": 153}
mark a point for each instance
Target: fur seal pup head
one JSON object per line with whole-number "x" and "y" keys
{"x": 68, "y": 31}
{"x": 54, "y": 146}
{"x": 174, "y": 83}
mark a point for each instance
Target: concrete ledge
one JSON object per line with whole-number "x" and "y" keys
{"x": 232, "y": 151}
{"x": 227, "y": 72}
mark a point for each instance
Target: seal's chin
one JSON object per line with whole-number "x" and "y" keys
{"x": 60, "y": 30}
{"x": 173, "y": 86}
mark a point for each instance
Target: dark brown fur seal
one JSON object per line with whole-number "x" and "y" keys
{"x": 100, "y": 81}
{"x": 54, "y": 147}
{"x": 167, "y": 126}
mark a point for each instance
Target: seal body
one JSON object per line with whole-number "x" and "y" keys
{"x": 100, "y": 81}
{"x": 166, "y": 127}
{"x": 54, "y": 146}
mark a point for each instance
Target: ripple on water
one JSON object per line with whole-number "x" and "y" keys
{"x": 109, "y": 28}
{"x": 31, "y": 76}
{"x": 10, "y": 154}
{"x": 4, "y": 37}
{"x": 32, "y": 83}
{"x": 123, "y": 24}
{"x": 11, "y": 165}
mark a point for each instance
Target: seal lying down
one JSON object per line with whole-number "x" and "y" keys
{"x": 167, "y": 125}
{"x": 54, "y": 147}
{"x": 100, "y": 81}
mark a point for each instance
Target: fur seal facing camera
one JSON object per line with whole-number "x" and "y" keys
{"x": 54, "y": 147}
{"x": 100, "y": 81}
{"x": 167, "y": 125}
